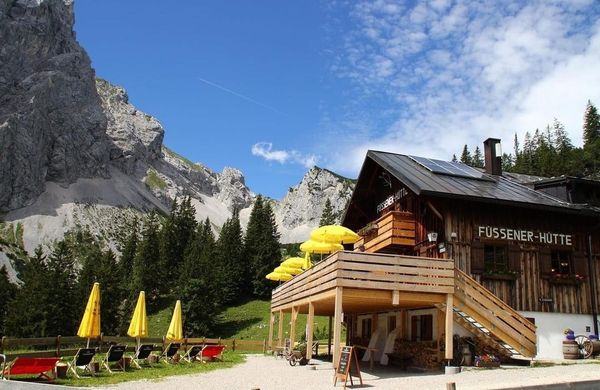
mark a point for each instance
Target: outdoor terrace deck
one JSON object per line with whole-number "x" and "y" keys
{"x": 377, "y": 275}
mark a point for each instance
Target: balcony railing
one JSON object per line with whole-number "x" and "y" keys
{"x": 392, "y": 231}
{"x": 367, "y": 271}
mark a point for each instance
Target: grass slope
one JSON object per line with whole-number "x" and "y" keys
{"x": 246, "y": 321}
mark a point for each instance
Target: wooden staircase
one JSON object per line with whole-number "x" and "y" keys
{"x": 492, "y": 321}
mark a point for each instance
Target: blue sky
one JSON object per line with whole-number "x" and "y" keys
{"x": 273, "y": 87}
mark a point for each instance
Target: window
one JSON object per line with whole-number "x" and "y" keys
{"x": 495, "y": 259}
{"x": 562, "y": 263}
{"x": 422, "y": 328}
{"x": 366, "y": 329}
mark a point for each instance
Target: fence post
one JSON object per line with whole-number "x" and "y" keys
{"x": 3, "y": 343}
{"x": 185, "y": 343}
{"x": 58, "y": 345}
{"x": 233, "y": 345}
{"x": 264, "y": 346}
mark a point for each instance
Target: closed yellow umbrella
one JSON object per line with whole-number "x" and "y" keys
{"x": 282, "y": 269}
{"x": 90, "y": 323}
{"x": 306, "y": 263}
{"x": 175, "y": 331}
{"x": 312, "y": 246}
{"x": 293, "y": 262}
{"x": 278, "y": 277}
{"x": 139, "y": 322}
{"x": 335, "y": 234}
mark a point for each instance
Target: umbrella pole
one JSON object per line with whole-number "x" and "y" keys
{"x": 88, "y": 343}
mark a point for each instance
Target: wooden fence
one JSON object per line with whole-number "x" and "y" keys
{"x": 67, "y": 346}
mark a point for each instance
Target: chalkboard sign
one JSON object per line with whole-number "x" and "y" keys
{"x": 345, "y": 367}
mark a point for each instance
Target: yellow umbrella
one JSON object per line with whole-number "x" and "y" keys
{"x": 335, "y": 234}
{"x": 282, "y": 269}
{"x": 312, "y": 246}
{"x": 278, "y": 277}
{"x": 306, "y": 264}
{"x": 139, "y": 322}
{"x": 175, "y": 331}
{"x": 90, "y": 323}
{"x": 293, "y": 262}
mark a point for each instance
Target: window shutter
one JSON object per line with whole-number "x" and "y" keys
{"x": 477, "y": 266}
{"x": 545, "y": 261}
{"x": 514, "y": 258}
{"x": 580, "y": 264}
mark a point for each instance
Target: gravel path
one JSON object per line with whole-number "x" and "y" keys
{"x": 268, "y": 373}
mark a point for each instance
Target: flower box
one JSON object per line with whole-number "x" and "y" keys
{"x": 505, "y": 276}
{"x": 565, "y": 280}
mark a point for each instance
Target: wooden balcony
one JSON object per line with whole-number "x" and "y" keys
{"x": 390, "y": 232}
{"x": 390, "y": 280}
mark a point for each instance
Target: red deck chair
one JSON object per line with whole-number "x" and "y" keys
{"x": 212, "y": 352}
{"x": 32, "y": 366}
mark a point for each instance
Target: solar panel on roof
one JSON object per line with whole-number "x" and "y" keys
{"x": 449, "y": 168}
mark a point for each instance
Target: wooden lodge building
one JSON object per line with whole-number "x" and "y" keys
{"x": 508, "y": 260}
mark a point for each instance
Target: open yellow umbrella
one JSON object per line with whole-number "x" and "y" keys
{"x": 293, "y": 262}
{"x": 312, "y": 246}
{"x": 278, "y": 277}
{"x": 282, "y": 269}
{"x": 90, "y": 323}
{"x": 175, "y": 331}
{"x": 139, "y": 322}
{"x": 334, "y": 233}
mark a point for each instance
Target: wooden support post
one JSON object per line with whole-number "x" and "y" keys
{"x": 293, "y": 326}
{"x": 441, "y": 325}
{"x": 310, "y": 320}
{"x": 329, "y": 337}
{"x": 449, "y": 325}
{"x": 271, "y": 323}
{"x": 280, "y": 330}
{"x": 58, "y": 346}
{"x": 337, "y": 325}
{"x": 232, "y": 345}
{"x": 403, "y": 323}
{"x": 374, "y": 322}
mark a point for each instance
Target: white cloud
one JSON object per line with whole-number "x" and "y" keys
{"x": 265, "y": 150}
{"x": 451, "y": 74}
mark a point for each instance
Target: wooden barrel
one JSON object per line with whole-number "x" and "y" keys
{"x": 595, "y": 347}
{"x": 570, "y": 349}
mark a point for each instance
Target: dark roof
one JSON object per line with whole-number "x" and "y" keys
{"x": 496, "y": 189}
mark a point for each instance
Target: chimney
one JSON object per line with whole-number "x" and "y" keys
{"x": 493, "y": 156}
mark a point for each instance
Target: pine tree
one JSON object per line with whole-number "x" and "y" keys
{"x": 147, "y": 272}
{"x": 199, "y": 306}
{"x": 327, "y": 216}
{"x": 465, "y": 157}
{"x": 232, "y": 266}
{"x": 199, "y": 254}
{"x": 111, "y": 293}
{"x": 61, "y": 298}
{"x": 261, "y": 247}
{"x": 27, "y": 312}
{"x": 7, "y": 294}
{"x": 129, "y": 246}
{"x": 591, "y": 125}
{"x": 454, "y": 159}
{"x": 477, "y": 160}
{"x": 516, "y": 146}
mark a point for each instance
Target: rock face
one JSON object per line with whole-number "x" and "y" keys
{"x": 300, "y": 210}
{"x": 52, "y": 126}
{"x": 135, "y": 137}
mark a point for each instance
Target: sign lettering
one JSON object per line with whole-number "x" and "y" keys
{"x": 401, "y": 193}
{"x": 539, "y": 237}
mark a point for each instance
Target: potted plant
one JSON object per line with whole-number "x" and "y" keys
{"x": 487, "y": 360}
{"x": 569, "y": 334}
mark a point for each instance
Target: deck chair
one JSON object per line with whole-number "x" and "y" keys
{"x": 81, "y": 360}
{"x": 192, "y": 353}
{"x": 170, "y": 352}
{"x": 142, "y": 353}
{"x": 29, "y": 365}
{"x": 114, "y": 355}
{"x": 210, "y": 352}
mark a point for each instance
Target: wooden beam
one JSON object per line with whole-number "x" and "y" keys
{"x": 280, "y": 330}
{"x": 293, "y": 326}
{"x": 271, "y": 323}
{"x": 309, "y": 330}
{"x": 441, "y": 324}
{"x": 329, "y": 337}
{"x": 337, "y": 325}
{"x": 449, "y": 326}
{"x": 435, "y": 211}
